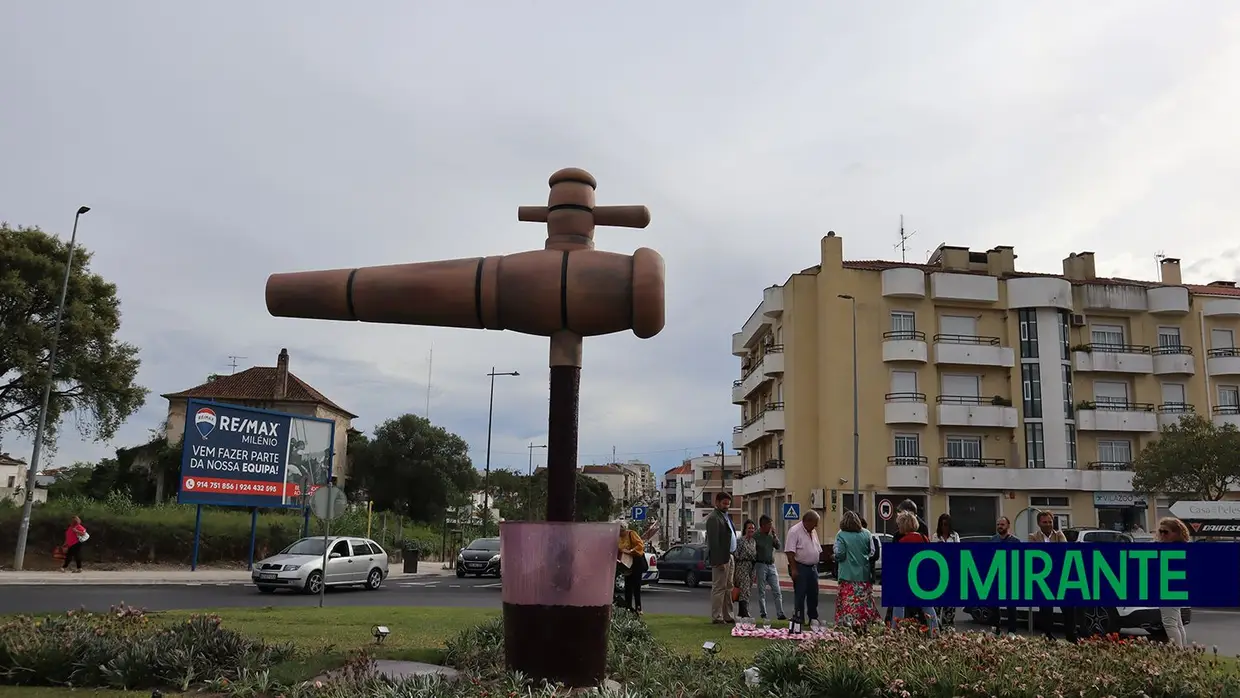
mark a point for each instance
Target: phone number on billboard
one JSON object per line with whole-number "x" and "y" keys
{"x": 226, "y": 486}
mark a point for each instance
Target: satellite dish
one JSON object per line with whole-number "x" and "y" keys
{"x": 1026, "y": 523}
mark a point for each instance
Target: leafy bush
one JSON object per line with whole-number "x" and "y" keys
{"x": 122, "y": 532}
{"x": 123, "y": 649}
{"x": 975, "y": 665}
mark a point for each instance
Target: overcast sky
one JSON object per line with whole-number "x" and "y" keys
{"x": 220, "y": 142}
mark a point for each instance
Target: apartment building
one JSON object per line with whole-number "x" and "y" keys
{"x": 678, "y": 505}
{"x": 642, "y": 483}
{"x": 617, "y": 479}
{"x": 714, "y": 473}
{"x": 982, "y": 390}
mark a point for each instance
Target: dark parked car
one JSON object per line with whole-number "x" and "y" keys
{"x": 686, "y": 563}
{"x": 478, "y": 558}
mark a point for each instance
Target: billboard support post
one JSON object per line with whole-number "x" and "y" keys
{"x": 193, "y": 565}
{"x": 327, "y": 531}
{"x": 305, "y": 522}
{"x": 253, "y": 535}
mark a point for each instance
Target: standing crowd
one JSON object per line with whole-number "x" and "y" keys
{"x": 740, "y": 562}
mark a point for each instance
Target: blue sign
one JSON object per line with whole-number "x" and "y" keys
{"x": 639, "y": 513}
{"x": 1062, "y": 574}
{"x": 792, "y": 511}
{"x": 239, "y": 456}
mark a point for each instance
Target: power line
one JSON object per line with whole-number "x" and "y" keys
{"x": 703, "y": 449}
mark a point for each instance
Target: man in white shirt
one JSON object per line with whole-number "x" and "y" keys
{"x": 803, "y": 550}
{"x": 1048, "y": 533}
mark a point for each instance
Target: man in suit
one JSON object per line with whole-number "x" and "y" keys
{"x": 1003, "y": 535}
{"x": 1048, "y": 533}
{"x": 720, "y": 546}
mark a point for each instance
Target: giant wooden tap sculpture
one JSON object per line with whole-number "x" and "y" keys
{"x": 565, "y": 291}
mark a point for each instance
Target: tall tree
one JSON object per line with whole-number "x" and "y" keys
{"x": 1194, "y": 458}
{"x": 94, "y": 374}
{"x": 412, "y": 467}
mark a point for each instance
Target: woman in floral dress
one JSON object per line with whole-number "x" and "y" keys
{"x": 854, "y": 602}
{"x": 742, "y": 578}
{"x": 944, "y": 533}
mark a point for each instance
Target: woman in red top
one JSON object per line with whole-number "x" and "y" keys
{"x": 907, "y": 523}
{"x": 75, "y": 536}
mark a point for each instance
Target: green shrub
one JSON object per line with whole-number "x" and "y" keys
{"x": 122, "y": 532}
{"x": 124, "y": 649}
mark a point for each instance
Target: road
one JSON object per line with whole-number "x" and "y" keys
{"x": 1219, "y": 628}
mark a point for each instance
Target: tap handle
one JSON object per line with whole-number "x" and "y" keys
{"x": 613, "y": 216}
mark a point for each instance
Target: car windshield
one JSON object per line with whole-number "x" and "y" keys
{"x": 485, "y": 544}
{"x": 305, "y": 546}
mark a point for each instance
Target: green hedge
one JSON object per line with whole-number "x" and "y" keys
{"x": 124, "y": 533}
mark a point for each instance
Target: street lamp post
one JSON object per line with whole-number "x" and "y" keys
{"x": 529, "y": 505}
{"x": 486, "y": 479}
{"x": 19, "y": 556}
{"x": 856, "y": 418}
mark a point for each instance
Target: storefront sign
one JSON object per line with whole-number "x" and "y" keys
{"x": 1119, "y": 500}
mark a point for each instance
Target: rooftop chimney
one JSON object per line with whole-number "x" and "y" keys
{"x": 832, "y": 251}
{"x": 1080, "y": 266}
{"x": 1223, "y": 284}
{"x": 282, "y": 375}
{"x": 1169, "y": 271}
{"x": 1001, "y": 260}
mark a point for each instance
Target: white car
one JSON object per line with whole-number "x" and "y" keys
{"x": 299, "y": 567}
{"x": 650, "y": 576}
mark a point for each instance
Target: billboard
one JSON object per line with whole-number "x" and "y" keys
{"x": 245, "y": 457}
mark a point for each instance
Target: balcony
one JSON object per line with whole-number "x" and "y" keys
{"x": 738, "y": 437}
{"x": 1113, "y": 466}
{"x": 968, "y": 288}
{"x": 1223, "y": 362}
{"x": 1116, "y": 416}
{"x": 906, "y": 408}
{"x": 908, "y": 472}
{"x": 904, "y": 282}
{"x": 1112, "y": 358}
{"x": 1034, "y": 479}
{"x": 1169, "y": 414}
{"x": 904, "y": 346}
{"x": 970, "y": 350}
{"x": 764, "y": 479}
{"x": 773, "y": 360}
{"x": 1226, "y": 414}
{"x": 773, "y": 418}
{"x": 753, "y": 379}
{"x": 1039, "y": 292}
{"x": 974, "y": 411}
{"x": 1173, "y": 361}
{"x": 759, "y": 322}
{"x": 1167, "y": 300}
{"x": 1222, "y": 307}
{"x": 966, "y": 472}
{"x": 1114, "y": 298}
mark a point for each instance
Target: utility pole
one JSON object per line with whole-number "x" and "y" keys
{"x": 529, "y": 505}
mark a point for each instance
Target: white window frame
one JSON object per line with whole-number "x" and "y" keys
{"x": 901, "y": 453}
{"x": 1183, "y": 394}
{"x": 965, "y": 447}
{"x": 977, "y": 381}
{"x": 1034, "y": 505}
{"x": 1169, "y": 337}
{"x": 903, "y": 321}
{"x": 1114, "y": 451}
{"x": 972, "y": 320}
{"x": 904, "y": 373}
{"x": 1107, "y": 334}
{"x": 1233, "y": 395}
{"x": 1217, "y": 332}
{"x": 1109, "y": 400}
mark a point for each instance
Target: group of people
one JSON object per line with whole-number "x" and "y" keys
{"x": 739, "y": 561}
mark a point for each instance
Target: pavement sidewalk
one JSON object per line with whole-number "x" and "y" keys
{"x": 824, "y": 585}
{"x": 172, "y": 577}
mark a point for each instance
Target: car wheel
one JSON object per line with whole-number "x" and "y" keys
{"x": 374, "y": 579}
{"x": 691, "y": 580}
{"x": 267, "y": 590}
{"x": 1097, "y": 620}
{"x": 314, "y": 583}
{"x": 460, "y": 574}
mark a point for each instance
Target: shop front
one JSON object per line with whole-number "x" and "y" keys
{"x": 1122, "y": 511}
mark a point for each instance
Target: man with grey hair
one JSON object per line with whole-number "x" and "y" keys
{"x": 803, "y": 550}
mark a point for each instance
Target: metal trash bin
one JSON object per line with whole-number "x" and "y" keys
{"x": 410, "y": 556}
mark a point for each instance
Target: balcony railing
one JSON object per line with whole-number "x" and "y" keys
{"x": 773, "y": 463}
{"x": 1226, "y": 352}
{"x": 737, "y": 383}
{"x": 1110, "y": 465}
{"x": 1226, "y": 409}
{"x": 907, "y": 460}
{"x": 773, "y": 349}
{"x": 772, "y": 407}
{"x": 905, "y": 397}
{"x": 1176, "y": 408}
{"x": 966, "y": 339}
{"x": 1106, "y": 348}
{"x": 896, "y": 335}
{"x": 751, "y": 365}
{"x": 1172, "y": 349}
{"x": 1120, "y": 406}
{"x": 996, "y": 401}
{"x": 949, "y": 462}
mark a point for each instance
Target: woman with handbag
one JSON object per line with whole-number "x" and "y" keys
{"x": 743, "y": 571}
{"x": 633, "y": 560}
{"x": 75, "y": 537}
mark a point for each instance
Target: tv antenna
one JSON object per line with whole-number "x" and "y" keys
{"x": 232, "y": 362}
{"x": 902, "y": 245}
{"x": 1158, "y": 258}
